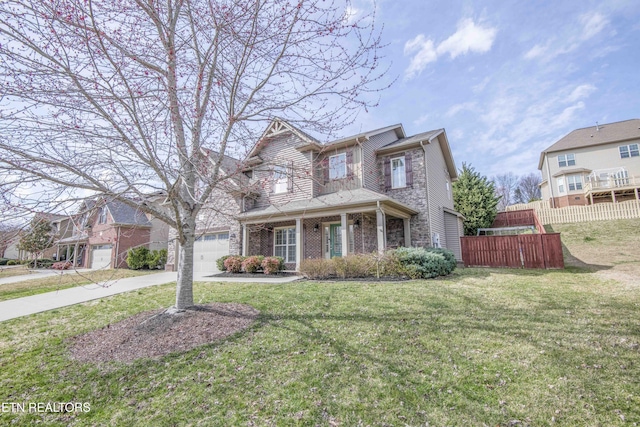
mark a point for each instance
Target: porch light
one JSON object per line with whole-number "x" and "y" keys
{"x": 356, "y": 223}
{"x": 316, "y": 228}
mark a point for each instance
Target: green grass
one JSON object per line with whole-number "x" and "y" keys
{"x": 12, "y": 271}
{"x": 63, "y": 281}
{"x": 481, "y": 347}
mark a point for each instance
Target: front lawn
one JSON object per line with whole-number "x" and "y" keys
{"x": 494, "y": 347}
{"x": 13, "y": 271}
{"x": 64, "y": 280}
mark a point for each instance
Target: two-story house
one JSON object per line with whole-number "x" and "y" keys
{"x": 104, "y": 230}
{"x": 591, "y": 165}
{"x": 365, "y": 193}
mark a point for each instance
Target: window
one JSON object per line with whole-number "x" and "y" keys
{"x": 561, "y": 185}
{"x": 574, "y": 182}
{"x": 398, "y": 174}
{"x": 280, "y": 179}
{"x": 630, "y": 150}
{"x": 338, "y": 166}
{"x": 103, "y": 215}
{"x": 566, "y": 160}
{"x": 285, "y": 243}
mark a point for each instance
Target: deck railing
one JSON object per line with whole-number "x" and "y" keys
{"x": 611, "y": 184}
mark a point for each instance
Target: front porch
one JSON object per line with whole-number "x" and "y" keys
{"x": 296, "y": 234}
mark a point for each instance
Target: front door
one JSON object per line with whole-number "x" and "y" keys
{"x": 335, "y": 240}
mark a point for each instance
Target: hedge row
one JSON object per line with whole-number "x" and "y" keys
{"x": 250, "y": 264}
{"x": 414, "y": 263}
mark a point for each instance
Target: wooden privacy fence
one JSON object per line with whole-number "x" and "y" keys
{"x": 518, "y": 218}
{"x": 519, "y": 251}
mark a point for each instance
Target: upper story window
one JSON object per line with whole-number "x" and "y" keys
{"x": 338, "y": 166}
{"x": 566, "y": 160}
{"x": 574, "y": 182}
{"x": 280, "y": 179}
{"x": 630, "y": 150}
{"x": 561, "y": 185}
{"x": 398, "y": 173}
{"x": 103, "y": 215}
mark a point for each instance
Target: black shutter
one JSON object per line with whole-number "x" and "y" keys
{"x": 290, "y": 177}
{"x": 408, "y": 168}
{"x": 349, "y": 157}
{"x": 387, "y": 174}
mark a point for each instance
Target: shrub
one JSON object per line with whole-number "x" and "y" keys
{"x": 43, "y": 263}
{"x": 353, "y": 266}
{"x": 138, "y": 258}
{"x": 13, "y": 262}
{"x": 61, "y": 265}
{"x": 220, "y": 262}
{"x": 318, "y": 268}
{"x": 272, "y": 264}
{"x": 233, "y": 264}
{"x": 420, "y": 263}
{"x": 3, "y": 261}
{"x": 252, "y": 264}
{"x": 157, "y": 259}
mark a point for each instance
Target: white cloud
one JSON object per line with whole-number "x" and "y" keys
{"x": 580, "y": 92}
{"x": 468, "y": 38}
{"x": 455, "y": 109}
{"x": 592, "y": 24}
{"x": 425, "y": 53}
{"x": 350, "y": 14}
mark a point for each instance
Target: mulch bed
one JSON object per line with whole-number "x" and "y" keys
{"x": 152, "y": 334}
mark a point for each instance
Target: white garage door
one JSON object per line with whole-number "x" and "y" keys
{"x": 100, "y": 256}
{"x": 207, "y": 250}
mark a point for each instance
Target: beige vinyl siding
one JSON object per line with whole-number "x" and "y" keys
{"x": 369, "y": 168}
{"x": 453, "y": 233}
{"x": 438, "y": 198}
{"x": 352, "y": 183}
{"x": 281, "y": 150}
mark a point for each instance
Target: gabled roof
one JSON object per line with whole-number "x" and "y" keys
{"x": 277, "y": 127}
{"x": 414, "y": 141}
{"x": 124, "y": 214}
{"x": 399, "y": 130}
{"x": 595, "y": 135}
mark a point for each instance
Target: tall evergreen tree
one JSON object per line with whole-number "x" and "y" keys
{"x": 37, "y": 238}
{"x": 474, "y": 197}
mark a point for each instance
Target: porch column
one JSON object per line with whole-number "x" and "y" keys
{"x": 613, "y": 196}
{"x": 407, "y": 232}
{"x": 635, "y": 190}
{"x": 344, "y": 229}
{"x": 298, "y": 242}
{"x": 381, "y": 230}
{"x": 68, "y": 254}
{"x": 591, "y": 197}
{"x": 75, "y": 255}
{"x": 245, "y": 240}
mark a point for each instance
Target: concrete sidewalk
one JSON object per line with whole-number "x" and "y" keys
{"x": 51, "y": 300}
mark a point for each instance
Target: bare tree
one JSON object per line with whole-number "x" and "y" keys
{"x": 122, "y": 97}
{"x": 528, "y": 188}
{"x": 505, "y": 184}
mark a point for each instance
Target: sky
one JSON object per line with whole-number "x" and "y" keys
{"x": 506, "y": 79}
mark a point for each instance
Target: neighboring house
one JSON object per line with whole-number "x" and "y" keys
{"x": 299, "y": 199}
{"x": 103, "y": 232}
{"x": 9, "y": 246}
{"x": 592, "y": 165}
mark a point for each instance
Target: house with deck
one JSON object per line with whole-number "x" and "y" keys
{"x": 595, "y": 164}
{"x": 298, "y": 198}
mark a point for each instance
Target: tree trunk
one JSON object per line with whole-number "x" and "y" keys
{"x": 184, "y": 290}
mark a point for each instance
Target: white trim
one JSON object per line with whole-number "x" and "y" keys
{"x": 404, "y": 172}
{"x": 287, "y": 244}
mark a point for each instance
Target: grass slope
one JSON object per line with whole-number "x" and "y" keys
{"x": 484, "y": 346}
